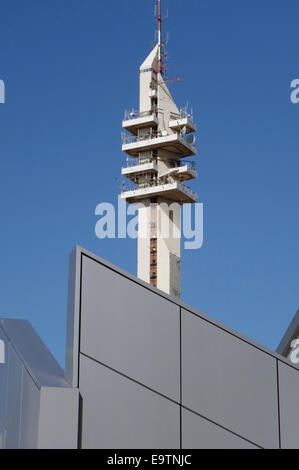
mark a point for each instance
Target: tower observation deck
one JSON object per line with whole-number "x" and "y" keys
{"x": 157, "y": 139}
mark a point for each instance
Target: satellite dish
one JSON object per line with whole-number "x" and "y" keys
{"x": 191, "y": 139}
{"x": 184, "y": 131}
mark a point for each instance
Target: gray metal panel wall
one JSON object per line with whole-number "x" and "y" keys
{"x": 58, "y": 418}
{"x": 31, "y": 350}
{"x": 199, "y": 433}
{"x": 32, "y": 415}
{"x": 289, "y": 405}
{"x": 19, "y": 401}
{"x": 134, "y": 341}
{"x": 119, "y": 413}
{"x": 3, "y": 389}
{"x": 29, "y": 419}
{"x": 130, "y": 329}
{"x": 73, "y": 318}
{"x": 229, "y": 381}
{"x": 152, "y": 373}
{"x": 13, "y": 399}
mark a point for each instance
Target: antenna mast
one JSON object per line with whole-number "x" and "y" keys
{"x": 160, "y": 64}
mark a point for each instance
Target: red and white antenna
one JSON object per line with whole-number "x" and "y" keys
{"x": 159, "y": 18}
{"x": 162, "y": 66}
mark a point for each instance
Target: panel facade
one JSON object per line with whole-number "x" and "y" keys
{"x": 31, "y": 415}
{"x": 3, "y": 388}
{"x": 229, "y": 381}
{"x": 30, "y": 406}
{"x": 121, "y": 414}
{"x": 19, "y": 402}
{"x": 198, "y": 433}
{"x": 130, "y": 329}
{"x": 13, "y": 399}
{"x": 58, "y": 418}
{"x": 33, "y": 353}
{"x": 289, "y": 409}
{"x": 73, "y": 318}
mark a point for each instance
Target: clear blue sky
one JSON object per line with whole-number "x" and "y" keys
{"x": 71, "y": 69}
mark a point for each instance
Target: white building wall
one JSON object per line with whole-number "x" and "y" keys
{"x": 143, "y": 264}
{"x": 151, "y": 65}
{"x": 169, "y": 247}
{"x": 167, "y": 107}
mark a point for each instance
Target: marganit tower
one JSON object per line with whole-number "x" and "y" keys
{"x": 157, "y": 139}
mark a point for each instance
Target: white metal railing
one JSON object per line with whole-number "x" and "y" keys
{"x": 130, "y": 139}
{"x": 138, "y": 162}
{"x": 190, "y": 165}
{"x": 133, "y": 114}
{"x": 186, "y": 114}
{"x": 158, "y": 184}
{"x": 131, "y": 162}
{"x": 187, "y": 190}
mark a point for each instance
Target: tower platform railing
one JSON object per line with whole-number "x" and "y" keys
{"x": 133, "y": 114}
{"x": 158, "y": 184}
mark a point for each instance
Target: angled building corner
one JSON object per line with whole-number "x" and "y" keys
{"x": 292, "y": 334}
{"x": 38, "y": 408}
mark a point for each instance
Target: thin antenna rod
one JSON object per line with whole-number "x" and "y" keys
{"x": 160, "y": 65}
